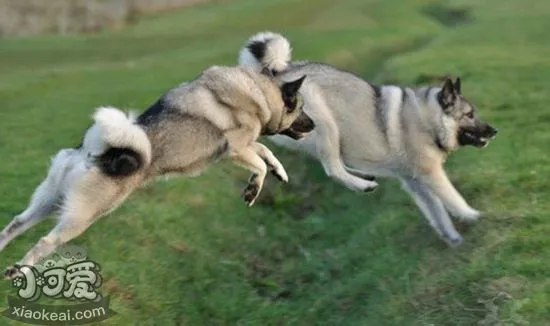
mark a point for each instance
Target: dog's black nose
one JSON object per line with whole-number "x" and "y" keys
{"x": 303, "y": 123}
{"x": 494, "y": 131}
{"x": 310, "y": 124}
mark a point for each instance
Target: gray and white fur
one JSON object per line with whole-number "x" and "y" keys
{"x": 220, "y": 114}
{"x": 364, "y": 130}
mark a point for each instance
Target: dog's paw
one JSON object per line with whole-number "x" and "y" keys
{"x": 454, "y": 241}
{"x": 358, "y": 184}
{"x": 277, "y": 169}
{"x": 12, "y": 272}
{"x": 470, "y": 216}
{"x": 250, "y": 193}
{"x": 280, "y": 174}
{"x": 370, "y": 186}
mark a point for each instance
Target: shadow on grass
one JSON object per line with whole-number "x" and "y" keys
{"x": 449, "y": 17}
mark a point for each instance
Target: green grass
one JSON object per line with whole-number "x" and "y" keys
{"x": 188, "y": 251}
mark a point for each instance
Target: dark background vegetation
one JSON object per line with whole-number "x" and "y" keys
{"x": 29, "y": 17}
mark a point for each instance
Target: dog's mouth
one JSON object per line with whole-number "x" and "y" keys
{"x": 477, "y": 138}
{"x": 300, "y": 127}
{"x": 468, "y": 138}
{"x": 293, "y": 134}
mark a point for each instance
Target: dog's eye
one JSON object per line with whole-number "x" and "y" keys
{"x": 470, "y": 114}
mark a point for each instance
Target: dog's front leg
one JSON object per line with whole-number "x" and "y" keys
{"x": 272, "y": 162}
{"x": 440, "y": 185}
{"x": 433, "y": 209}
{"x": 250, "y": 160}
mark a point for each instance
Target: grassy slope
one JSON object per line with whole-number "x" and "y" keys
{"x": 187, "y": 251}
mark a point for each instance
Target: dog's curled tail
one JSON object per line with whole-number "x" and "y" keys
{"x": 127, "y": 146}
{"x": 266, "y": 51}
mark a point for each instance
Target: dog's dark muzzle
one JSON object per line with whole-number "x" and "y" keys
{"x": 300, "y": 127}
{"x": 478, "y": 136}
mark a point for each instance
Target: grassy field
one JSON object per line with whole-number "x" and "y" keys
{"x": 188, "y": 251}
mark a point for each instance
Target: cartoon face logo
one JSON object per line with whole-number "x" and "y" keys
{"x": 51, "y": 261}
{"x": 64, "y": 274}
{"x": 71, "y": 254}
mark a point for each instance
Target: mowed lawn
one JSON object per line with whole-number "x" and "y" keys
{"x": 188, "y": 251}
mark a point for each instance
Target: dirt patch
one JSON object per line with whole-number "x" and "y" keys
{"x": 113, "y": 286}
{"x": 264, "y": 279}
{"x": 179, "y": 246}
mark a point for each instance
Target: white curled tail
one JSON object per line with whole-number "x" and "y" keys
{"x": 127, "y": 147}
{"x": 266, "y": 50}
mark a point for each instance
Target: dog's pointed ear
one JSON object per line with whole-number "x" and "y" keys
{"x": 447, "y": 96}
{"x": 290, "y": 93}
{"x": 290, "y": 89}
{"x": 448, "y": 86}
{"x": 458, "y": 85}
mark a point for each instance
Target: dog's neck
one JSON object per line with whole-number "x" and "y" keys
{"x": 273, "y": 125}
{"x": 269, "y": 130}
{"x": 427, "y": 101}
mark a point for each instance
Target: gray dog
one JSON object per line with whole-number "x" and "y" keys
{"x": 220, "y": 114}
{"x": 363, "y": 130}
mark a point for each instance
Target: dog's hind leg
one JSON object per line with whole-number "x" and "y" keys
{"x": 91, "y": 195}
{"x": 433, "y": 209}
{"x": 43, "y": 201}
{"x": 272, "y": 162}
{"x": 327, "y": 143}
{"x": 360, "y": 174}
{"x": 440, "y": 185}
{"x": 328, "y": 151}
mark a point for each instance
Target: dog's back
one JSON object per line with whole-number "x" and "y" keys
{"x": 187, "y": 126}
{"x": 353, "y": 104}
